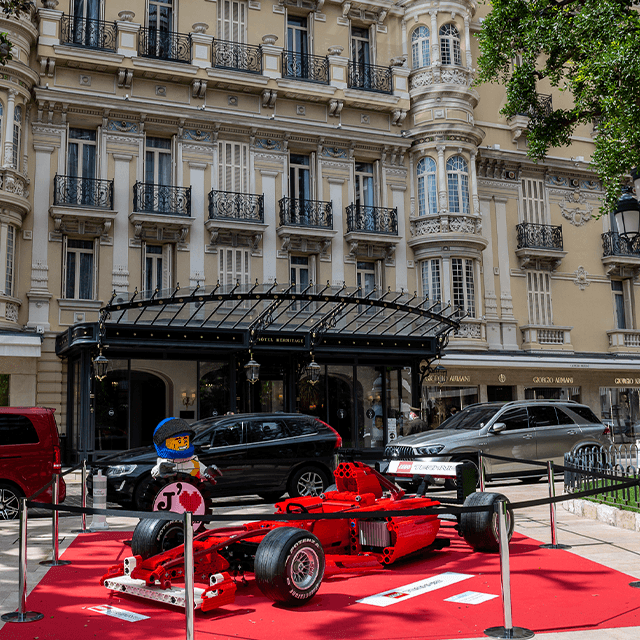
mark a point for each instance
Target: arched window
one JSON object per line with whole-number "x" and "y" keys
{"x": 420, "y": 54}
{"x": 458, "y": 184}
{"x": 427, "y": 190}
{"x": 450, "y": 45}
{"x": 17, "y": 136}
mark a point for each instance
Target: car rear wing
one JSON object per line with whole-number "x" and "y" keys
{"x": 420, "y": 471}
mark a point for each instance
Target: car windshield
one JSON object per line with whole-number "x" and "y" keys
{"x": 471, "y": 419}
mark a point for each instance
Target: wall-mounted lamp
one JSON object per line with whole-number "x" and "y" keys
{"x": 313, "y": 371}
{"x": 100, "y": 365}
{"x": 188, "y": 400}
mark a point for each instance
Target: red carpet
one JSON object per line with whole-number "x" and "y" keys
{"x": 552, "y": 590}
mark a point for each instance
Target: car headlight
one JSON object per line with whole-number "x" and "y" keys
{"x": 120, "y": 470}
{"x": 431, "y": 450}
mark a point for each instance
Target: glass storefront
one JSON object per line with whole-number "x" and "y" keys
{"x": 439, "y": 402}
{"x": 620, "y": 409}
{"x": 552, "y": 393}
{"x": 214, "y": 387}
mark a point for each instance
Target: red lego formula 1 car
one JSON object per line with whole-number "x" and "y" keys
{"x": 288, "y": 558}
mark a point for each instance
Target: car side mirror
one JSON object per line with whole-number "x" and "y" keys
{"x": 498, "y": 427}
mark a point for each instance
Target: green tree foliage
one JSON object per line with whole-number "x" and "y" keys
{"x": 11, "y": 8}
{"x": 588, "y": 48}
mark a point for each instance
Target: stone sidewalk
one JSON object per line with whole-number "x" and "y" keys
{"x": 615, "y": 547}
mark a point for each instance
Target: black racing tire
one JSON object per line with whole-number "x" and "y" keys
{"x": 9, "y": 501}
{"x": 450, "y": 483}
{"x": 271, "y": 496}
{"x": 289, "y": 565}
{"x": 151, "y": 537}
{"x": 480, "y": 528}
{"x": 148, "y": 489}
{"x": 308, "y": 481}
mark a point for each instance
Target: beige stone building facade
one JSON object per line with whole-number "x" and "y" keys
{"x": 158, "y": 144}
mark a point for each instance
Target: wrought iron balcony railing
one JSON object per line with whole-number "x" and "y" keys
{"x": 71, "y": 191}
{"x": 296, "y": 212}
{"x": 303, "y": 66}
{"x": 372, "y": 219}
{"x": 165, "y": 45}
{"x": 614, "y": 244}
{"x": 240, "y": 57}
{"x": 161, "y": 198}
{"x": 544, "y": 108}
{"x": 228, "y": 205}
{"x": 90, "y": 33}
{"x": 370, "y": 77}
{"x": 539, "y": 236}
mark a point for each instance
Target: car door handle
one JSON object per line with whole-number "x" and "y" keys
{"x": 528, "y": 437}
{"x": 572, "y": 432}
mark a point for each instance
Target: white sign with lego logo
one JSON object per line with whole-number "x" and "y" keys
{"x": 419, "y": 468}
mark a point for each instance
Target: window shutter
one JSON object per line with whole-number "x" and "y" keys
{"x": 143, "y": 270}
{"x": 64, "y": 267}
{"x": 167, "y": 266}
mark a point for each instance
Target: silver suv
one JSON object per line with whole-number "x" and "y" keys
{"x": 525, "y": 429}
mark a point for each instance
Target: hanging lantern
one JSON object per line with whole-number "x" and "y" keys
{"x": 100, "y": 365}
{"x": 313, "y": 370}
{"x": 439, "y": 374}
{"x": 252, "y": 369}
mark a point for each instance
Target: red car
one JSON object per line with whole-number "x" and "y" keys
{"x": 288, "y": 558}
{"x": 29, "y": 455}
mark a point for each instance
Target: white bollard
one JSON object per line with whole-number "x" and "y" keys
{"x": 99, "y": 522}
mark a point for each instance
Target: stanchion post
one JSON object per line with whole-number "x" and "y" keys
{"x": 552, "y": 511}
{"x": 84, "y": 498}
{"x": 21, "y": 615}
{"x": 55, "y": 562}
{"x": 508, "y": 631}
{"x": 99, "y": 522}
{"x": 189, "y": 600}
{"x": 481, "y": 478}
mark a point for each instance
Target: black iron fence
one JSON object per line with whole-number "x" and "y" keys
{"x": 236, "y": 56}
{"x": 603, "y": 468}
{"x": 306, "y": 213}
{"x": 372, "y": 219}
{"x": 160, "y": 198}
{"x": 539, "y": 236}
{"x": 304, "y": 66}
{"x": 615, "y": 244}
{"x": 370, "y": 77}
{"x": 72, "y": 191}
{"x": 87, "y": 32}
{"x": 165, "y": 45}
{"x": 228, "y": 205}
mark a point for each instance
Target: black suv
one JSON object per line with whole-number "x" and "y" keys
{"x": 266, "y": 454}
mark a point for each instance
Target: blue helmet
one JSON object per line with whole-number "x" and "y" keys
{"x": 172, "y": 439}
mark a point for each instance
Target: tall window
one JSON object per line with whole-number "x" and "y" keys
{"x": 299, "y": 177}
{"x": 539, "y": 295}
{"x": 458, "y": 184}
{"x": 11, "y": 259}
{"x": 450, "y": 45}
{"x": 86, "y": 28}
{"x": 79, "y": 267}
{"x": 360, "y": 58}
{"x": 234, "y": 265}
{"x": 366, "y": 276}
{"x": 297, "y": 47}
{"x": 622, "y": 316}
{"x": 160, "y": 27}
{"x": 533, "y": 201}
{"x": 301, "y": 270}
{"x": 427, "y": 189}
{"x": 157, "y": 174}
{"x": 420, "y": 52}
{"x": 233, "y": 167}
{"x": 364, "y": 195}
{"x": 431, "y": 287}
{"x": 463, "y": 285}
{"x": 157, "y": 267}
{"x": 17, "y": 136}
{"x": 81, "y": 165}
{"x": 232, "y": 21}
